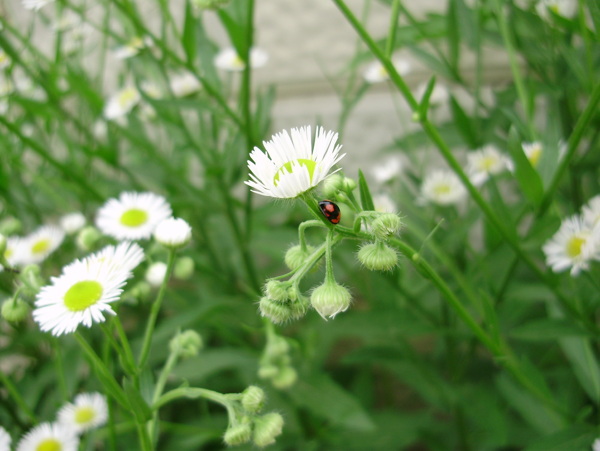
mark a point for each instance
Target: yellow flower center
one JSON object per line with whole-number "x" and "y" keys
{"x": 84, "y": 415}
{"x": 8, "y": 253}
{"x": 308, "y": 164}
{"x": 50, "y": 444}
{"x": 41, "y": 246}
{"x": 238, "y": 62}
{"x": 442, "y": 189}
{"x": 82, "y": 294}
{"x": 487, "y": 163}
{"x": 383, "y": 72}
{"x": 134, "y": 217}
{"x": 574, "y": 246}
{"x": 127, "y": 96}
{"x": 135, "y": 43}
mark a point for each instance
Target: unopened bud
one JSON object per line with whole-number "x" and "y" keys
{"x": 140, "y": 291}
{"x": 184, "y": 268}
{"x": 349, "y": 184}
{"x": 275, "y": 311}
{"x": 295, "y": 257}
{"x": 238, "y": 435}
{"x": 267, "y": 371}
{"x": 10, "y": 226}
{"x": 277, "y": 346}
{"x": 253, "y": 399}
{"x": 32, "y": 279}
{"x": 156, "y": 273}
{"x": 88, "y": 238}
{"x": 266, "y": 428}
{"x": 277, "y": 291}
{"x": 386, "y": 225}
{"x": 15, "y": 310}
{"x": 186, "y": 344}
{"x": 285, "y": 377}
{"x": 332, "y": 185}
{"x": 378, "y": 257}
{"x": 330, "y": 299}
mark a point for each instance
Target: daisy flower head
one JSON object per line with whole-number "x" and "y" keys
{"x": 133, "y": 216}
{"x": 4, "y": 60}
{"x": 80, "y": 295}
{"x": 484, "y": 162}
{"x": 4, "y": 440}
{"x": 443, "y": 187}
{"x": 564, "y": 8}
{"x": 229, "y": 60}
{"x": 173, "y": 232}
{"x": 41, "y": 243}
{"x": 49, "y": 436}
{"x": 293, "y": 163}
{"x": 121, "y": 103}
{"x": 35, "y": 5}
{"x": 14, "y": 254}
{"x": 573, "y": 246}
{"x": 87, "y": 411}
{"x": 125, "y": 256}
{"x": 376, "y": 73}
{"x": 72, "y": 222}
{"x": 129, "y": 49}
{"x": 184, "y": 84}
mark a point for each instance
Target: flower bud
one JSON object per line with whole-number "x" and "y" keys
{"x": 295, "y": 257}
{"x": 277, "y": 291}
{"x": 32, "y": 280}
{"x": 238, "y": 435}
{"x": 277, "y": 346}
{"x": 186, "y": 344}
{"x": 173, "y": 233}
{"x": 156, "y": 273}
{"x": 253, "y": 399}
{"x": 332, "y": 185}
{"x": 87, "y": 238}
{"x": 266, "y": 428}
{"x": 299, "y": 307}
{"x": 72, "y": 223}
{"x": 140, "y": 291}
{"x": 285, "y": 377}
{"x": 267, "y": 371}
{"x": 275, "y": 311}
{"x": 330, "y": 299}
{"x": 10, "y": 226}
{"x": 386, "y": 225}
{"x": 349, "y": 184}
{"x": 378, "y": 257}
{"x": 184, "y": 268}
{"x": 15, "y": 310}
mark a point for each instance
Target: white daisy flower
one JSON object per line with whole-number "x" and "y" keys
{"x": 35, "y": 4}
{"x": 443, "y": 187}
{"x": 229, "y": 60}
{"x": 184, "y": 84}
{"x": 133, "y": 216}
{"x": 573, "y": 246}
{"x": 484, "y": 162}
{"x": 4, "y": 59}
{"x": 173, "y": 232}
{"x": 41, "y": 243}
{"x": 387, "y": 169}
{"x": 533, "y": 152}
{"x": 15, "y": 251}
{"x": 4, "y": 440}
{"x": 376, "y": 73}
{"x": 121, "y": 103}
{"x": 155, "y": 274}
{"x": 49, "y": 436}
{"x": 72, "y": 222}
{"x": 384, "y": 203}
{"x": 125, "y": 256}
{"x": 80, "y": 295}
{"x": 564, "y": 8}
{"x": 88, "y": 411}
{"x": 293, "y": 164}
{"x": 591, "y": 212}
{"x": 130, "y": 49}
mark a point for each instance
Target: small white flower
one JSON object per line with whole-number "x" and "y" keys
{"x": 376, "y": 73}
{"x": 384, "y": 203}
{"x": 533, "y": 152}
{"x": 443, "y": 187}
{"x": 155, "y": 274}
{"x": 484, "y": 162}
{"x": 88, "y": 411}
{"x": 15, "y": 252}
{"x": 573, "y": 246}
{"x": 35, "y": 4}
{"x": 151, "y": 89}
{"x": 80, "y": 295}
{"x": 173, "y": 232}
{"x": 229, "y": 60}
{"x": 439, "y": 95}
{"x": 130, "y": 49}
{"x": 184, "y": 84}
{"x": 72, "y": 222}
{"x": 121, "y": 103}
{"x": 596, "y": 445}
{"x": 49, "y": 436}
{"x": 4, "y": 59}
{"x": 41, "y": 243}
{"x": 133, "y": 216}
{"x": 564, "y": 8}
{"x": 293, "y": 164}
{"x": 4, "y": 440}
{"x": 388, "y": 169}
{"x": 591, "y": 212}
{"x": 125, "y": 256}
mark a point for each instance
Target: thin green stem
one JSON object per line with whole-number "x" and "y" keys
{"x": 143, "y": 357}
{"x": 329, "y": 278}
{"x": 391, "y": 39}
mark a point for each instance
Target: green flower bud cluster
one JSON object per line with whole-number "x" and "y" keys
{"x": 336, "y": 185}
{"x": 330, "y": 298}
{"x": 15, "y": 310}
{"x": 247, "y": 425}
{"x": 275, "y": 363}
{"x": 295, "y": 256}
{"x": 378, "y": 256}
{"x": 282, "y": 302}
{"x": 186, "y": 344}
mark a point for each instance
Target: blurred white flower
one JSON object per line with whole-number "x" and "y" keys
{"x": 35, "y": 4}
{"x": 121, "y": 103}
{"x": 38, "y": 245}
{"x": 564, "y": 8}
{"x": 376, "y": 73}
{"x": 88, "y": 411}
{"x": 4, "y": 60}
{"x": 49, "y": 436}
{"x": 155, "y": 274}
{"x": 387, "y": 169}
{"x": 4, "y": 440}
{"x": 486, "y": 161}
{"x": 229, "y": 60}
{"x": 72, "y": 222}
{"x": 184, "y": 84}
{"x": 384, "y": 203}
{"x": 591, "y": 212}
{"x": 443, "y": 187}
{"x": 173, "y": 232}
{"x": 130, "y": 49}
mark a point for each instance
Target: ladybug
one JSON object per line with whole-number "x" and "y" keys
{"x": 331, "y": 211}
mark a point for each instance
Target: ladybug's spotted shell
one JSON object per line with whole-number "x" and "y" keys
{"x": 331, "y": 211}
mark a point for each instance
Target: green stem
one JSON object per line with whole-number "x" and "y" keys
{"x": 329, "y": 278}
{"x": 143, "y": 357}
{"x": 194, "y": 393}
{"x": 391, "y": 39}
{"x": 302, "y": 230}
{"x": 158, "y": 390}
{"x": 128, "y": 355}
{"x": 13, "y": 391}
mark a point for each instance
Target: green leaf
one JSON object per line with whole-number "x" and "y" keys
{"x": 189, "y": 33}
{"x": 464, "y": 124}
{"x": 325, "y": 398}
{"x": 528, "y": 178}
{"x": 365, "y": 195}
{"x": 139, "y": 408}
{"x": 546, "y": 329}
{"x": 578, "y": 437}
{"x": 454, "y": 33}
{"x": 234, "y": 19}
{"x": 424, "y": 101}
